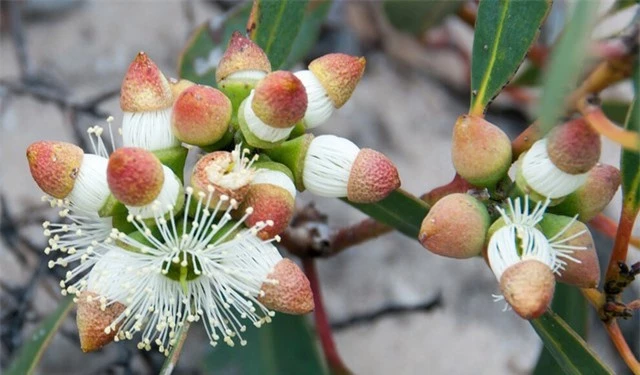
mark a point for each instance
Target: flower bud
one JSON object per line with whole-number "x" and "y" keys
{"x": 146, "y": 100}
{"x": 329, "y": 84}
{"x": 455, "y": 227}
{"x": 339, "y": 74}
{"x": 178, "y": 86}
{"x": 272, "y": 196}
{"x": 574, "y": 147}
{"x": 574, "y": 239}
{"x": 287, "y": 290}
{"x": 201, "y": 115}
{"x": 481, "y": 152}
{"x": 94, "y": 318}
{"x": 528, "y": 287}
{"x": 593, "y": 196}
{"x": 228, "y": 173}
{"x": 241, "y": 67}
{"x": 55, "y": 166}
{"x": 135, "y": 176}
{"x": 270, "y": 113}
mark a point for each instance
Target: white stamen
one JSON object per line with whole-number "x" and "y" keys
{"x": 246, "y": 75}
{"x": 90, "y": 191}
{"x": 328, "y": 164}
{"x": 169, "y": 194}
{"x": 259, "y": 128}
{"x": 239, "y": 175}
{"x": 149, "y": 130}
{"x": 277, "y": 178}
{"x": 544, "y": 177}
{"x": 319, "y": 107}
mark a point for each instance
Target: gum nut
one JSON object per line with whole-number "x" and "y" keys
{"x": 135, "y": 176}
{"x": 455, "y": 227}
{"x": 178, "y": 86}
{"x": 528, "y": 287}
{"x": 574, "y": 147}
{"x": 144, "y": 87}
{"x": 287, "y": 290}
{"x": 280, "y": 99}
{"x": 269, "y": 202}
{"x": 54, "y": 166}
{"x": 373, "y": 176}
{"x": 339, "y": 74}
{"x": 201, "y": 115}
{"x": 200, "y": 177}
{"x": 481, "y": 152}
{"x": 92, "y": 321}
{"x": 242, "y": 54}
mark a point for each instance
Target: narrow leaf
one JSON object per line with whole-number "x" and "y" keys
{"x": 630, "y": 160}
{"x": 29, "y": 355}
{"x": 274, "y": 25}
{"x": 505, "y": 29}
{"x": 570, "y": 351}
{"x": 415, "y": 17}
{"x": 174, "y": 354}
{"x": 285, "y": 346}
{"x": 199, "y": 58}
{"x": 566, "y": 64}
{"x": 571, "y": 306}
{"x": 309, "y": 31}
{"x": 399, "y": 210}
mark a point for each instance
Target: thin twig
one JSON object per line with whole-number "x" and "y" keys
{"x": 622, "y": 346}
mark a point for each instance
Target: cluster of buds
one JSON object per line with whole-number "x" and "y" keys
{"x": 537, "y": 236}
{"x": 146, "y": 252}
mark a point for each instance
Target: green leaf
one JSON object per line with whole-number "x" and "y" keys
{"x": 571, "y": 306}
{"x": 174, "y": 354}
{"x": 630, "y": 160}
{"x": 505, "y": 29}
{"x": 566, "y": 64}
{"x": 29, "y": 355}
{"x": 285, "y": 346}
{"x": 530, "y": 77}
{"x": 572, "y": 354}
{"x": 415, "y": 17}
{"x": 399, "y": 210}
{"x": 274, "y": 25}
{"x": 309, "y": 31}
{"x": 199, "y": 58}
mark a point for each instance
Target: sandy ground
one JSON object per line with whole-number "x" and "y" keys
{"x": 404, "y": 113}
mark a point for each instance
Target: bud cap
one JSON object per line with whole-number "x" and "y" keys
{"x": 201, "y": 115}
{"x": 92, "y": 320}
{"x": 144, "y": 87}
{"x": 287, "y": 289}
{"x": 55, "y": 166}
{"x": 135, "y": 176}
{"x": 242, "y": 54}
{"x": 373, "y": 176}
{"x": 574, "y": 147}
{"x": 528, "y": 287}
{"x": 280, "y": 99}
{"x": 339, "y": 74}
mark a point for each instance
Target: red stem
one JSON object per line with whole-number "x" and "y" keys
{"x": 323, "y": 327}
{"x": 623, "y": 348}
{"x": 621, "y": 244}
{"x": 609, "y": 228}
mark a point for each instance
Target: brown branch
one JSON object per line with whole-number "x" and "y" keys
{"x": 621, "y": 345}
{"x": 621, "y": 244}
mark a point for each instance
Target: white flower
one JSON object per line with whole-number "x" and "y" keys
{"x": 544, "y": 177}
{"x": 319, "y": 106}
{"x": 275, "y": 177}
{"x": 328, "y": 164}
{"x": 259, "y": 128}
{"x": 201, "y": 268}
{"x": 150, "y": 130}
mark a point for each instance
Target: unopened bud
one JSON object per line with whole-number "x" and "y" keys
{"x": 144, "y": 87}
{"x": 55, "y": 166}
{"x": 178, "y": 86}
{"x": 287, "y": 290}
{"x": 455, "y": 227}
{"x": 481, "y": 152}
{"x": 201, "y": 115}
{"x": 574, "y": 147}
{"x": 92, "y": 321}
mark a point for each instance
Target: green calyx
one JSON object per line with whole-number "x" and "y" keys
{"x": 112, "y": 207}
{"x": 292, "y": 154}
{"x": 221, "y": 144}
{"x": 237, "y": 91}
{"x": 174, "y": 158}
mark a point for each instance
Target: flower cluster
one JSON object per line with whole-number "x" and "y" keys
{"x": 537, "y": 234}
{"x": 146, "y": 252}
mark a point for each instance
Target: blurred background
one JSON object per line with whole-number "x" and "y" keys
{"x": 395, "y": 307}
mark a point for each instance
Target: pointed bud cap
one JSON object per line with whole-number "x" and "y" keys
{"x": 591, "y": 198}
{"x": 178, "y": 86}
{"x": 574, "y": 147}
{"x": 242, "y": 54}
{"x": 135, "y": 176}
{"x": 144, "y": 87}
{"x": 373, "y": 176}
{"x": 455, "y": 227}
{"x": 528, "y": 287}
{"x": 582, "y": 269}
{"x": 481, "y": 152}
{"x": 92, "y": 320}
{"x": 280, "y": 99}
{"x": 201, "y": 115}
{"x": 287, "y": 290}
{"x": 54, "y": 166}
{"x": 339, "y": 74}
